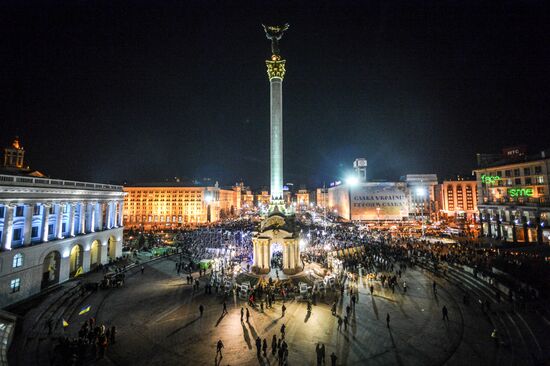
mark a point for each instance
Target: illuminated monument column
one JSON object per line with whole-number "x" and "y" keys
{"x": 276, "y": 73}
{"x": 278, "y": 228}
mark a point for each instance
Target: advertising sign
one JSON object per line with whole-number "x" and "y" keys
{"x": 379, "y": 201}
{"x": 520, "y": 192}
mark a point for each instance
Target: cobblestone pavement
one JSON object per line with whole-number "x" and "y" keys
{"x": 158, "y": 323}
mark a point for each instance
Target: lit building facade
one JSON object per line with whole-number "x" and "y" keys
{"x": 52, "y": 230}
{"x": 513, "y": 200}
{"x": 321, "y": 196}
{"x": 457, "y": 199}
{"x": 302, "y": 199}
{"x": 421, "y": 190}
{"x": 263, "y": 199}
{"x": 247, "y": 199}
{"x": 163, "y": 206}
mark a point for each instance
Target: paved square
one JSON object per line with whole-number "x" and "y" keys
{"x": 158, "y": 322}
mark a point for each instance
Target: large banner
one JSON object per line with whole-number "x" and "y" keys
{"x": 379, "y": 201}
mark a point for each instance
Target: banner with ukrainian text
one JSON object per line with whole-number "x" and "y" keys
{"x": 379, "y": 201}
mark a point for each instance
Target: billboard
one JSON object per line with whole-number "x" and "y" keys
{"x": 379, "y": 201}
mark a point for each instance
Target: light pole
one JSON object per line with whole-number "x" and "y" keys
{"x": 351, "y": 182}
{"x": 421, "y": 192}
{"x": 208, "y": 200}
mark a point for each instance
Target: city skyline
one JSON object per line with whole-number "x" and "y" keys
{"x": 414, "y": 89}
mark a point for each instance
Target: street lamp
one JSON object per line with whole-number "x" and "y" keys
{"x": 421, "y": 192}
{"x": 208, "y": 200}
{"x": 351, "y": 181}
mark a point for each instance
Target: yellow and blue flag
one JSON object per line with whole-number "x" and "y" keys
{"x": 84, "y": 310}
{"x": 79, "y": 271}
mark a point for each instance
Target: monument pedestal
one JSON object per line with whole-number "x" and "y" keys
{"x": 276, "y": 230}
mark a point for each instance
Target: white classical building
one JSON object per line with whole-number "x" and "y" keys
{"x": 52, "y": 230}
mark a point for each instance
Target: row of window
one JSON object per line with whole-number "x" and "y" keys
{"x": 20, "y": 210}
{"x": 517, "y": 172}
{"x": 155, "y": 218}
{"x": 164, "y": 192}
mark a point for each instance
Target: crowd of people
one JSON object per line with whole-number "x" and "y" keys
{"x": 91, "y": 344}
{"x": 382, "y": 255}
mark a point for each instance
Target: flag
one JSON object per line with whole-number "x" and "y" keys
{"x": 84, "y": 310}
{"x": 79, "y": 271}
{"x": 65, "y": 324}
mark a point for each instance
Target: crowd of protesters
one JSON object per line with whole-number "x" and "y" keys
{"x": 91, "y": 344}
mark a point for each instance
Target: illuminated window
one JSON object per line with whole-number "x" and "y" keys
{"x": 17, "y": 260}
{"x": 15, "y": 285}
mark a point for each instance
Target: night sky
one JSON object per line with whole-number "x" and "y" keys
{"x": 146, "y": 90}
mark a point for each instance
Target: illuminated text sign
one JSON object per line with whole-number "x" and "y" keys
{"x": 489, "y": 179}
{"x": 520, "y": 192}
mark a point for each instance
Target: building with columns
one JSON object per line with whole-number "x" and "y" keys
{"x": 52, "y": 230}
{"x": 513, "y": 196}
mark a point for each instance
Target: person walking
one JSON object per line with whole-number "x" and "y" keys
{"x": 258, "y": 346}
{"x": 323, "y": 353}
{"x": 274, "y": 345}
{"x": 283, "y": 327}
{"x": 404, "y": 287}
{"x": 333, "y": 359}
{"x": 339, "y": 322}
{"x": 371, "y": 289}
{"x": 224, "y": 311}
{"x": 434, "y": 288}
{"x": 264, "y": 347}
{"x": 219, "y": 347}
{"x": 445, "y": 313}
{"x": 242, "y": 314}
{"x": 284, "y": 309}
{"x": 142, "y": 269}
{"x": 388, "y": 320}
{"x": 201, "y": 309}
{"x": 318, "y": 353}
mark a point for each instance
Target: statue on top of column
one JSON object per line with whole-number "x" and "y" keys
{"x": 275, "y": 33}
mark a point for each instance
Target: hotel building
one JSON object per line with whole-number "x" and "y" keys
{"x": 51, "y": 229}
{"x": 514, "y": 201}
{"x": 457, "y": 199}
{"x": 172, "y": 205}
